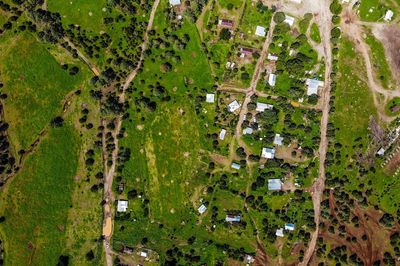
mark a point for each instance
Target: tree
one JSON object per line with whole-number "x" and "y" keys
{"x": 279, "y": 17}
{"x": 57, "y": 121}
{"x": 225, "y": 34}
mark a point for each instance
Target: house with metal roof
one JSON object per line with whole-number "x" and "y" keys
{"x": 268, "y": 153}
{"x": 278, "y": 140}
{"x": 289, "y": 227}
{"x": 174, "y": 2}
{"x": 235, "y": 166}
{"x": 233, "y": 106}
{"x": 222, "y": 134}
{"x": 202, "y": 209}
{"x": 225, "y": 23}
{"x": 313, "y": 85}
{"x": 247, "y": 131}
{"x": 260, "y": 31}
{"x": 232, "y": 218}
{"x": 210, "y": 97}
{"x": 274, "y": 184}
{"x": 289, "y": 20}
{"x": 272, "y": 80}
{"x": 279, "y": 232}
{"x": 122, "y": 205}
{"x": 272, "y": 57}
{"x": 262, "y": 106}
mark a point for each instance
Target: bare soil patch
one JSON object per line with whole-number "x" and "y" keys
{"x": 394, "y": 163}
{"x": 391, "y": 36}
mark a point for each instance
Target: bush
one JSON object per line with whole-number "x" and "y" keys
{"x": 336, "y": 7}
{"x": 225, "y": 34}
{"x": 57, "y": 121}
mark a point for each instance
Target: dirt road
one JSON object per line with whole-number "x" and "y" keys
{"x": 91, "y": 65}
{"x": 324, "y": 22}
{"x": 110, "y": 171}
{"x": 253, "y": 85}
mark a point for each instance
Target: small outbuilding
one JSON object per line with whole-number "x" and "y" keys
{"x": 279, "y": 232}
{"x": 289, "y": 227}
{"x": 260, "y": 31}
{"x": 225, "y": 23}
{"x": 122, "y": 205}
{"x": 278, "y": 140}
{"x": 389, "y": 15}
{"x": 210, "y": 97}
{"x": 272, "y": 57}
{"x": 222, "y": 134}
{"x": 235, "y": 166}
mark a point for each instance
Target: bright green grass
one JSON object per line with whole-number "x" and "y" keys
{"x": 314, "y": 33}
{"x": 37, "y": 200}
{"x": 378, "y": 8}
{"x": 379, "y": 61}
{"x": 77, "y": 12}
{"x": 35, "y": 85}
{"x": 230, "y": 3}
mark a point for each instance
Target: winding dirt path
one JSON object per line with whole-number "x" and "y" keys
{"x": 352, "y": 28}
{"x": 109, "y": 172}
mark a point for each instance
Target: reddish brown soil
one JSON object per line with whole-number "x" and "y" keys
{"x": 262, "y": 258}
{"x": 394, "y": 163}
{"x": 368, "y": 250}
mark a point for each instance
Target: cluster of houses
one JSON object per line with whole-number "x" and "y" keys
{"x": 288, "y": 227}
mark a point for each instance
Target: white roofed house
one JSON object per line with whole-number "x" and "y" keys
{"x": 289, "y": 227}
{"x": 289, "y": 20}
{"x": 122, "y": 205}
{"x": 268, "y": 153}
{"x": 272, "y": 57}
{"x": 272, "y": 80}
{"x": 233, "y": 106}
{"x": 210, "y": 97}
{"x": 260, "y": 31}
{"x": 313, "y": 85}
{"x": 279, "y": 232}
{"x": 174, "y": 2}
{"x": 262, "y": 106}
{"x": 274, "y": 184}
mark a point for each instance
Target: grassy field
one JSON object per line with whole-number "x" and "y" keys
{"x": 380, "y": 64}
{"x": 37, "y": 201}
{"x": 374, "y": 10}
{"x": 87, "y": 13}
{"x": 34, "y": 97}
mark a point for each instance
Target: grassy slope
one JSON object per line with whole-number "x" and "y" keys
{"x": 37, "y": 201}
{"x": 34, "y": 97}
{"x": 354, "y": 106}
{"x": 158, "y": 165}
{"x": 379, "y": 61}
